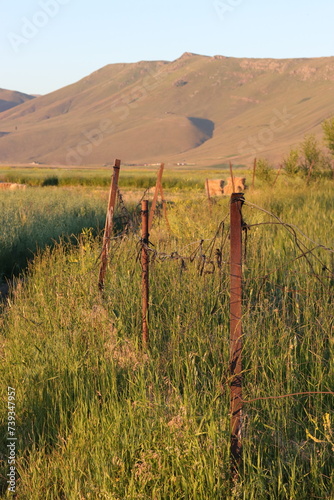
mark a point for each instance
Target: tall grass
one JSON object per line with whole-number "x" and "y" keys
{"x": 32, "y": 218}
{"x": 99, "y": 417}
{"x": 130, "y": 178}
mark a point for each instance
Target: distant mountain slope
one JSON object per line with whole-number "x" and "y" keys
{"x": 10, "y": 98}
{"x": 196, "y": 109}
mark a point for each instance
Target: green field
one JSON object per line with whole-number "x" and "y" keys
{"x": 100, "y": 417}
{"x": 181, "y": 177}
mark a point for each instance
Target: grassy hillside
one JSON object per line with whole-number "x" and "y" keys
{"x": 193, "y": 109}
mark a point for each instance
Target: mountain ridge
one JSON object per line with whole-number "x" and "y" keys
{"x": 197, "y": 109}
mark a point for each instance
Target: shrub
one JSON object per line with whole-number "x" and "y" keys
{"x": 291, "y": 163}
{"x": 328, "y": 129}
{"x": 308, "y": 160}
{"x": 264, "y": 171}
{"x": 310, "y": 154}
{"x": 51, "y": 181}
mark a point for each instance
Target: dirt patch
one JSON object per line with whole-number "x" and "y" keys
{"x": 12, "y": 185}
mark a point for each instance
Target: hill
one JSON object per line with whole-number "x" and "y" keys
{"x": 10, "y": 98}
{"x": 194, "y": 109}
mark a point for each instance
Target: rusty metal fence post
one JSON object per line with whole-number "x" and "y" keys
{"x": 145, "y": 270}
{"x": 237, "y": 200}
{"x": 109, "y": 224}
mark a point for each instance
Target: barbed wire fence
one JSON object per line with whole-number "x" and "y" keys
{"x": 210, "y": 256}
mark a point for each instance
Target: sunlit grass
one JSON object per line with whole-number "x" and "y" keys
{"x": 99, "y": 417}
{"x": 32, "y": 218}
{"x": 175, "y": 177}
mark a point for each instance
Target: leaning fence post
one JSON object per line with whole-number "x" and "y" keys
{"x": 164, "y": 207}
{"x": 109, "y": 224}
{"x": 254, "y": 170}
{"x": 155, "y": 196}
{"x": 145, "y": 270}
{"x": 207, "y": 190}
{"x": 232, "y": 177}
{"x": 237, "y": 200}
{"x": 277, "y": 176}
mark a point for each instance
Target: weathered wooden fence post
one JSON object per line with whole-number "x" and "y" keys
{"x": 254, "y": 170}
{"x": 158, "y": 188}
{"x": 278, "y": 173}
{"x": 109, "y": 224}
{"x": 207, "y": 189}
{"x": 237, "y": 200}
{"x": 145, "y": 271}
{"x": 155, "y": 196}
{"x": 232, "y": 177}
{"x": 164, "y": 207}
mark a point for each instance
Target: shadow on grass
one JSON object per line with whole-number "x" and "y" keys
{"x": 47, "y": 414}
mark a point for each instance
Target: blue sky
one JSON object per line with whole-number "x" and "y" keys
{"x": 47, "y": 44}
